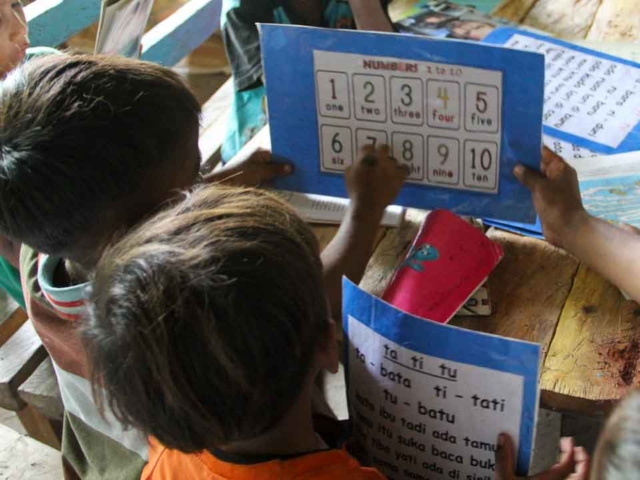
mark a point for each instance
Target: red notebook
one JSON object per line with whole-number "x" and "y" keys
{"x": 448, "y": 261}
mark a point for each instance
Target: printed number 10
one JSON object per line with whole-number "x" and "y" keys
{"x": 485, "y": 159}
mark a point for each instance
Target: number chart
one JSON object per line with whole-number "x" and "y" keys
{"x": 441, "y": 121}
{"x": 441, "y": 106}
{"x": 591, "y": 99}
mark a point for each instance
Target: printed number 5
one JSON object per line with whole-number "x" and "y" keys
{"x": 481, "y": 102}
{"x": 336, "y": 144}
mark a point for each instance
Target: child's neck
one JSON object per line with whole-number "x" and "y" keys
{"x": 294, "y": 434}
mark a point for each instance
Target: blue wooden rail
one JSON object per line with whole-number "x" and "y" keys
{"x": 51, "y": 22}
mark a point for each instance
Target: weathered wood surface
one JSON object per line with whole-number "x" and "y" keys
{"x": 528, "y": 290}
{"x": 564, "y": 18}
{"x": 22, "y": 458}
{"x": 595, "y": 354}
{"x": 41, "y": 391}
{"x": 617, "y": 20}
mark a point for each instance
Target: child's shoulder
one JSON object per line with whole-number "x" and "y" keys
{"x": 33, "y": 52}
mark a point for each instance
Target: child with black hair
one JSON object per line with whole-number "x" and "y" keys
{"x": 242, "y": 43}
{"x": 89, "y": 147}
{"x": 209, "y": 325}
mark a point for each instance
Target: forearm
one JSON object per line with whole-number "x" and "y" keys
{"x": 610, "y": 250}
{"x": 370, "y": 15}
{"x": 348, "y": 254}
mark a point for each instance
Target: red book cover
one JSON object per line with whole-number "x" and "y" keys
{"x": 448, "y": 261}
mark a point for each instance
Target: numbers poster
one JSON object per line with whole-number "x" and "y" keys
{"x": 458, "y": 115}
{"x": 429, "y": 400}
{"x": 591, "y": 99}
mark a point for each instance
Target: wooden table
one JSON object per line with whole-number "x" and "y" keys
{"x": 590, "y": 336}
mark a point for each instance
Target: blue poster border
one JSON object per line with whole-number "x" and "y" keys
{"x": 288, "y": 66}
{"x": 433, "y": 339}
{"x": 501, "y": 35}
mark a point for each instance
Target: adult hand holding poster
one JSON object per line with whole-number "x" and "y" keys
{"x": 458, "y": 115}
{"x": 429, "y": 400}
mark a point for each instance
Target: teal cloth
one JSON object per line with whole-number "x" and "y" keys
{"x": 10, "y": 281}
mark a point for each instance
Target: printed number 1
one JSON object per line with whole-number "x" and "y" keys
{"x": 333, "y": 89}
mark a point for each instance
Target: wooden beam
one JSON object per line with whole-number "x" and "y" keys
{"x": 51, "y": 22}
{"x": 19, "y": 358}
{"x": 213, "y": 126}
{"x": 42, "y": 393}
{"x": 12, "y": 317}
{"x": 595, "y": 354}
{"x": 173, "y": 39}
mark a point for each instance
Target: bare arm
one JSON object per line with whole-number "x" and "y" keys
{"x": 609, "y": 249}
{"x": 370, "y": 15}
{"x": 373, "y": 182}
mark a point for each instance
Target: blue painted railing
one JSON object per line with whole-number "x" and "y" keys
{"x": 51, "y": 22}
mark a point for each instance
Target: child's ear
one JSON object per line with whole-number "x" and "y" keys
{"x": 328, "y": 355}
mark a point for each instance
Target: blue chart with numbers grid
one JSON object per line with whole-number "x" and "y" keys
{"x": 458, "y": 115}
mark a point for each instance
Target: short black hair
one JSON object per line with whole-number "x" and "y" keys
{"x": 205, "y": 320}
{"x": 78, "y": 133}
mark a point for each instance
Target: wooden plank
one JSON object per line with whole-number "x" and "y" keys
{"x": 12, "y": 317}
{"x": 173, "y": 39}
{"x": 616, "y": 20}
{"x": 19, "y": 358}
{"x": 514, "y": 10}
{"x": 528, "y": 290}
{"x": 23, "y": 458}
{"x": 41, "y": 391}
{"x": 51, "y": 22}
{"x": 570, "y": 19}
{"x": 38, "y": 427}
{"x": 595, "y": 355}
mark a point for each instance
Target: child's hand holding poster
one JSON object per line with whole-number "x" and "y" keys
{"x": 429, "y": 400}
{"x": 458, "y": 115}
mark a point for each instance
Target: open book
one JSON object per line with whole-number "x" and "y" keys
{"x": 121, "y": 26}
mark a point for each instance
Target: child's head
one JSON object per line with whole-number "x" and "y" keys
{"x": 13, "y": 35}
{"x": 89, "y": 145}
{"x": 617, "y": 456}
{"x": 209, "y": 322}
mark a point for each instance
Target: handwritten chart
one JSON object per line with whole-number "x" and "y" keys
{"x": 429, "y": 400}
{"x": 591, "y": 99}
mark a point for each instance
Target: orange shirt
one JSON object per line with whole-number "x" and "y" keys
{"x": 166, "y": 464}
